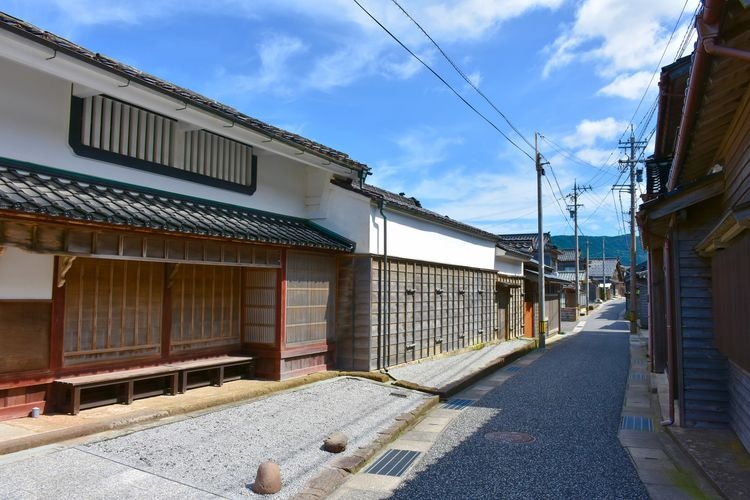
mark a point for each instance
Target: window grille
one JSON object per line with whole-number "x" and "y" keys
{"x": 218, "y": 157}
{"x": 113, "y": 131}
{"x": 123, "y": 129}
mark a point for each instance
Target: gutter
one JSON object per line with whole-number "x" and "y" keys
{"x": 385, "y": 296}
{"x": 708, "y": 27}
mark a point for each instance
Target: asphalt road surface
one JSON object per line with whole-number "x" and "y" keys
{"x": 568, "y": 401}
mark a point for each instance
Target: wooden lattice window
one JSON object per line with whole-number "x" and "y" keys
{"x": 218, "y": 157}
{"x": 310, "y": 296}
{"x": 260, "y": 306}
{"x": 205, "y": 306}
{"x": 113, "y": 310}
{"x": 123, "y": 129}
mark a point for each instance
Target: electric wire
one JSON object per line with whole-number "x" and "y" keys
{"x": 462, "y": 74}
{"x": 658, "y": 65}
{"x": 435, "y": 73}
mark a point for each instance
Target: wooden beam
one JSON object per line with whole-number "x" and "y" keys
{"x": 729, "y": 227}
{"x": 707, "y": 188}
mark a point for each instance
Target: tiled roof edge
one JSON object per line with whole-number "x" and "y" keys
{"x": 202, "y": 202}
{"x": 57, "y": 43}
{"x": 414, "y": 209}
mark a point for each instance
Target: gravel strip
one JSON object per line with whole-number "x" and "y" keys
{"x": 569, "y": 401}
{"x": 443, "y": 371}
{"x": 217, "y": 453}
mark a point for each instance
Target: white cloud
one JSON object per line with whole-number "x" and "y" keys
{"x": 628, "y": 85}
{"x": 475, "y": 78}
{"x": 472, "y": 19}
{"x": 273, "y": 75}
{"x": 420, "y": 149}
{"x": 362, "y": 49}
{"x": 588, "y": 132}
{"x": 622, "y": 39}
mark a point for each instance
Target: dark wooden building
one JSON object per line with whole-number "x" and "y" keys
{"x": 694, "y": 223}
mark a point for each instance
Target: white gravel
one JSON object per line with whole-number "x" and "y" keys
{"x": 440, "y": 372}
{"x": 218, "y": 453}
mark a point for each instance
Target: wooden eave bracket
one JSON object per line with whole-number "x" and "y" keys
{"x": 730, "y": 226}
{"x": 64, "y": 265}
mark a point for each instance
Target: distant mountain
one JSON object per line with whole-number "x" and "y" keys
{"x": 614, "y": 246}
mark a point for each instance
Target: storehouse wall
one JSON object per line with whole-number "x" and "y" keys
{"x": 430, "y": 309}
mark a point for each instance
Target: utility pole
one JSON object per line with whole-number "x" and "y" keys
{"x": 540, "y": 244}
{"x": 604, "y": 282}
{"x": 587, "y": 276}
{"x": 629, "y": 163}
{"x": 573, "y": 208}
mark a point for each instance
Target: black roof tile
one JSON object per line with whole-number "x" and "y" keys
{"x": 33, "y": 189}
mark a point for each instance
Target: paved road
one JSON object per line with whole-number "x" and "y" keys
{"x": 569, "y": 400}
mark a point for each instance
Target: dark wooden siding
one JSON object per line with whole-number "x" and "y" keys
{"x": 24, "y": 335}
{"x": 740, "y": 403}
{"x": 704, "y": 370}
{"x": 736, "y": 156}
{"x": 731, "y": 266}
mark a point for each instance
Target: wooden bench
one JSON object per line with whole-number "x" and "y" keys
{"x": 124, "y": 380}
{"x": 215, "y": 368}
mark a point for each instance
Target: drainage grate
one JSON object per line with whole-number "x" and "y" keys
{"x": 511, "y": 369}
{"x": 393, "y": 463}
{"x": 637, "y": 376}
{"x": 637, "y": 423}
{"x": 457, "y": 404}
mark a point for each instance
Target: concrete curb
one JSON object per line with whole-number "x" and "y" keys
{"x": 143, "y": 416}
{"x": 336, "y": 474}
{"x": 452, "y": 388}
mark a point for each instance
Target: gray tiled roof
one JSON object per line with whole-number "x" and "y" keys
{"x": 595, "y": 267}
{"x": 525, "y": 242}
{"x": 410, "y": 205}
{"x": 568, "y": 255}
{"x": 32, "y": 189}
{"x": 180, "y": 94}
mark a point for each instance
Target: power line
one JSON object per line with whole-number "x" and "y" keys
{"x": 415, "y": 56}
{"x": 658, "y": 65}
{"x": 463, "y": 75}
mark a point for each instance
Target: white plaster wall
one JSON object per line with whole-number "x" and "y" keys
{"x": 34, "y": 115}
{"x": 25, "y": 275}
{"x": 413, "y": 238}
{"x": 508, "y": 267}
{"x": 348, "y": 214}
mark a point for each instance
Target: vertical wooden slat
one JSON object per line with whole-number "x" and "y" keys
{"x": 95, "y": 308}
{"x": 79, "y": 331}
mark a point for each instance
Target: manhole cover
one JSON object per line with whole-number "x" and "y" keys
{"x": 509, "y": 437}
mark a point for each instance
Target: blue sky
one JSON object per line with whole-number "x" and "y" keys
{"x": 573, "y": 71}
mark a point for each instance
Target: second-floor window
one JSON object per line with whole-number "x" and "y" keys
{"x": 110, "y": 130}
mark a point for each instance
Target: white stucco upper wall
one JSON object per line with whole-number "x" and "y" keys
{"x": 25, "y": 276}
{"x": 348, "y": 214}
{"x": 508, "y": 266}
{"x": 410, "y": 237}
{"x": 34, "y": 122}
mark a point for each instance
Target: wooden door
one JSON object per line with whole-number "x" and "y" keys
{"x": 503, "y": 313}
{"x": 528, "y": 319}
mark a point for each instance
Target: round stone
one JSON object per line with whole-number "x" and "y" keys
{"x": 336, "y": 442}
{"x": 267, "y": 479}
